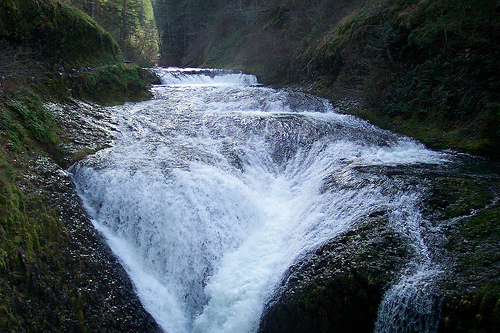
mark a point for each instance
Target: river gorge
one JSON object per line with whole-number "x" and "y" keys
{"x": 224, "y": 199}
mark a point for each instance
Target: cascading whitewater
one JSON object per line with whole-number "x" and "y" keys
{"x": 198, "y": 76}
{"x": 214, "y": 188}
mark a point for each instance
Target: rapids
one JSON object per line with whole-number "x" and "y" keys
{"x": 216, "y": 186}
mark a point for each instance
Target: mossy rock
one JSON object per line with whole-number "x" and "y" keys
{"x": 456, "y": 196}
{"x": 57, "y": 34}
{"x": 476, "y": 311}
{"x": 340, "y": 286}
{"x": 465, "y": 207}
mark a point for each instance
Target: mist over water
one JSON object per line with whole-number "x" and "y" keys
{"x": 215, "y": 187}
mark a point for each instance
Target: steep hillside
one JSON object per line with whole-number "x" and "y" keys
{"x": 429, "y": 69}
{"x": 131, "y": 23}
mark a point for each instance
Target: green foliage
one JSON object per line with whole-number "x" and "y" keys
{"x": 25, "y": 121}
{"x": 452, "y": 80}
{"x": 33, "y": 116}
{"x": 131, "y": 23}
{"x": 180, "y": 24}
{"x": 41, "y": 281}
{"x": 426, "y": 68}
{"x": 114, "y": 84}
{"x": 58, "y": 34}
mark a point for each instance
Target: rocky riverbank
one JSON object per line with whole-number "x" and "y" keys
{"x": 56, "y": 273}
{"x": 340, "y": 286}
{"x": 64, "y": 277}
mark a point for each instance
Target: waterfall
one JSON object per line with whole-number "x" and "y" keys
{"x": 213, "y": 189}
{"x": 410, "y": 304}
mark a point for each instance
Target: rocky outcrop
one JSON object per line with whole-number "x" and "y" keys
{"x": 64, "y": 277}
{"x": 102, "y": 296}
{"x": 339, "y": 287}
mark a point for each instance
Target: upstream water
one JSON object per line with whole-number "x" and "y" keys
{"x": 215, "y": 187}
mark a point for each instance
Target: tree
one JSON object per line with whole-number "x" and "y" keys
{"x": 180, "y": 22}
{"x": 131, "y": 23}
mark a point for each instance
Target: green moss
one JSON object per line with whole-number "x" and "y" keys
{"x": 454, "y": 197}
{"x": 37, "y": 275}
{"x": 33, "y": 115}
{"x": 482, "y": 233}
{"x": 347, "y": 303}
{"x": 473, "y": 293}
{"x": 478, "y": 311}
{"x": 58, "y": 34}
{"x": 339, "y": 288}
{"x": 114, "y": 84}
{"x": 33, "y": 241}
{"x": 485, "y": 225}
{"x": 80, "y": 155}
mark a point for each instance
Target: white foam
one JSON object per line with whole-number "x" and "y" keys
{"x": 190, "y": 77}
{"x": 213, "y": 190}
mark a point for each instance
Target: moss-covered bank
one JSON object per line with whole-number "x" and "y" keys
{"x": 55, "y": 34}
{"x": 469, "y": 210}
{"x": 56, "y": 274}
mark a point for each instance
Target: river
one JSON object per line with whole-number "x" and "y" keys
{"x": 216, "y": 186}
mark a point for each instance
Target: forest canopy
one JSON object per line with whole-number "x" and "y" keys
{"x": 130, "y": 22}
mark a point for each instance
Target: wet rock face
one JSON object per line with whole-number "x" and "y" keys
{"x": 83, "y": 287}
{"x": 467, "y": 209}
{"x": 339, "y": 287}
{"x": 103, "y": 296}
{"x": 86, "y": 128}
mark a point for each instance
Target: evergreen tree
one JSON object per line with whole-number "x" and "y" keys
{"x": 130, "y": 22}
{"x": 179, "y": 24}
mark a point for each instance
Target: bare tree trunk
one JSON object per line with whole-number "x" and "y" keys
{"x": 122, "y": 33}
{"x": 92, "y": 8}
